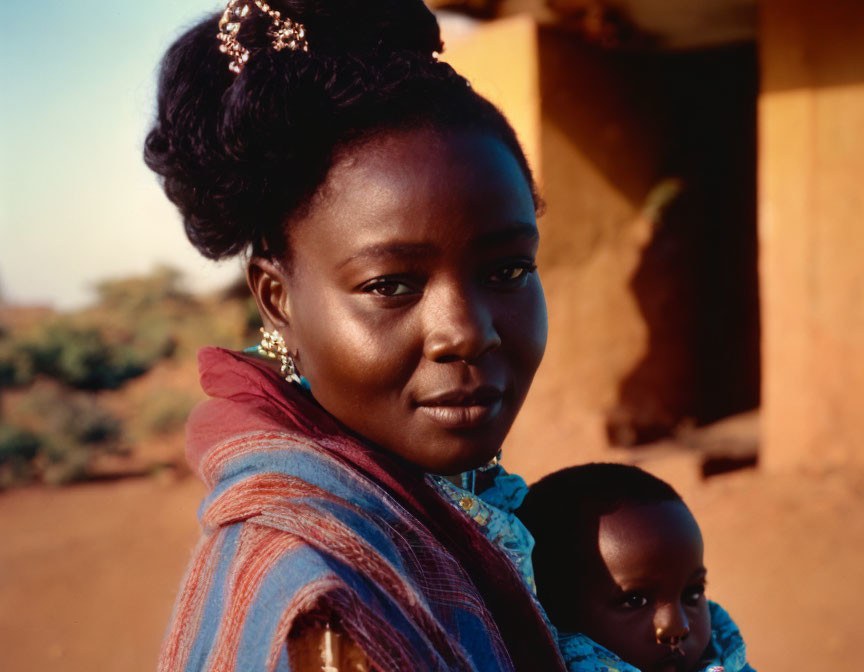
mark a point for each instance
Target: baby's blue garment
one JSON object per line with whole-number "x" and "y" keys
{"x": 727, "y": 649}
{"x": 493, "y": 509}
{"x": 726, "y": 653}
{"x": 582, "y": 654}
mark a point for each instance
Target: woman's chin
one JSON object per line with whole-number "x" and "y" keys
{"x": 444, "y": 440}
{"x": 456, "y": 459}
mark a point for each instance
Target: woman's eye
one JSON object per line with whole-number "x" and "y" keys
{"x": 634, "y": 601}
{"x": 693, "y": 594}
{"x": 512, "y": 274}
{"x": 386, "y": 287}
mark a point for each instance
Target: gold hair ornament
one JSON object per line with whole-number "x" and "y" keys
{"x": 286, "y": 33}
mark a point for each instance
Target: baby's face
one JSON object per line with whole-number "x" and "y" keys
{"x": 646, "y": 598}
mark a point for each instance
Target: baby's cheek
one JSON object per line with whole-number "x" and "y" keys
{"x": 700, "y": 629}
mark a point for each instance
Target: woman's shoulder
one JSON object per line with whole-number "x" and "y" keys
{"x": 262, "y": 579}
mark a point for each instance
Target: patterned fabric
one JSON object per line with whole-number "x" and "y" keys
{"x": 304, "y": 521}
{"x": 582, "y": 654}
{"x": 726, "y": 652}
{"x": 492, "y": 509}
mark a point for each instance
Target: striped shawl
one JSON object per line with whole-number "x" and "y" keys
{"x": 303, "y": 519}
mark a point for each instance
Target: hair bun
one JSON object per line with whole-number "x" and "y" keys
{"x": 337, "y": 27}
{"x": 240, "y": 155}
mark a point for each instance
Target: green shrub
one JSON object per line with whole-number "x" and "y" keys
{"x": 18, "y": 444}
{"x": 58, "y": 363}
{"x": 70, "y": 416}
{"x": 82, "y": 357}
{"x": 134, "y": 294}
{"x": 19, "y": 449}
{"x": 58, "y": 434}
{"x": 16, "y": 366}
{"x": 164, "y": 413}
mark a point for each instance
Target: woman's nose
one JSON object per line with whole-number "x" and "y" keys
{"x": 671, "y": 626}
{"x": 459, "y": 328}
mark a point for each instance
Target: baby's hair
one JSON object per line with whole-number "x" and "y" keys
{"x": 562, "y": 511}
{"x": 240, "y": 155}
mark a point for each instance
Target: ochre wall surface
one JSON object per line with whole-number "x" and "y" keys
{"x": 499, "y": 58}
{"x": 811, "y": 229}
{"x": 599, "y": 166}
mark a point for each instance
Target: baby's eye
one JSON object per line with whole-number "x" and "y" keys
{"x": 634, "y": 601}
{"x": 693, "y": 594}
{"x": 387, "y": 287}
{"x": 512, "y": 274}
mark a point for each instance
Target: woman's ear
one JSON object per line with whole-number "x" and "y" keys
{"x": 268, "y": 282}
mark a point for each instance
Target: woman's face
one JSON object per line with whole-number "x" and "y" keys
{"x": 412, "y": 300}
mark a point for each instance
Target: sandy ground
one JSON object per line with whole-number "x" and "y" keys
{"x": 88, "y": 573}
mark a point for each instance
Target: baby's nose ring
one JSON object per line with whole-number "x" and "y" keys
{"x": 665, "y": 637}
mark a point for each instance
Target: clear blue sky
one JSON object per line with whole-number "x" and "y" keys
{"x": 77, "y": 203}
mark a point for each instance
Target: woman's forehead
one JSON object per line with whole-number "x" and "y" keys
{"x": 424, "y": 248}
{"x": 416, "y": 186}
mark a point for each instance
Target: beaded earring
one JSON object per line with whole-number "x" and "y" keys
{"x": 273, "y": 346}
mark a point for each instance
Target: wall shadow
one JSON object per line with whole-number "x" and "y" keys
{"x": 697, "y": 282}
{"x": 641, "y": 118}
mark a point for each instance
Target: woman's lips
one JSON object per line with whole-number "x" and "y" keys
{"x": 462, "y": 409}
{"x": 461, "y": 417}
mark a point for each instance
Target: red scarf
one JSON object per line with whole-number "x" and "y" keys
{"x": 263, "y": 400}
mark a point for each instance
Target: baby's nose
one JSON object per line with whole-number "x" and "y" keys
{"x": 671, "y": 627}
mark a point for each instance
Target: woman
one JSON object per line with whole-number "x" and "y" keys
{"x": 388, "y": 217}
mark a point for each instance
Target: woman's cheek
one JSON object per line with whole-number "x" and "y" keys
{"x": 541, "y": 320}
{"x": 528, "y": 327}
{"x": 361, "y": 354}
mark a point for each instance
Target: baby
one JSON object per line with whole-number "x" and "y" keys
{"x": 618, "y": 559}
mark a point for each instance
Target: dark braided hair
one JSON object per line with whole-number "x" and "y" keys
{"x": 562, "y": 511}
{"x": 240, "y": 155}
